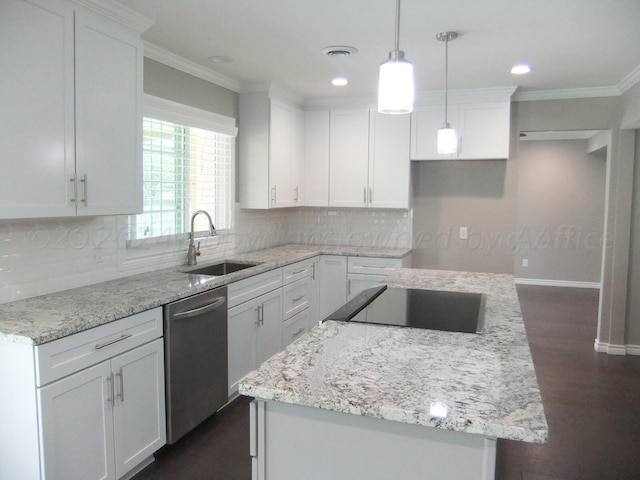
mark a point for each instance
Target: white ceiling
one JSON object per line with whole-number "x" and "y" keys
{"x": 571, "y": 44}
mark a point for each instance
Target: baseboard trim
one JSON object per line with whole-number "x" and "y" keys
{"x": 556, "y": 283}
{"x": 612, "y": 349}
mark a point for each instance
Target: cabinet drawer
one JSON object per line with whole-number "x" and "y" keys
{"x": 252, "y": 287}
{"x": 295, "y": 297}
{"x": 373, "y": 266}
{"x": 70, "y": 354}
{"x": 297, "y": 270}
{"x": 296, "y": 327}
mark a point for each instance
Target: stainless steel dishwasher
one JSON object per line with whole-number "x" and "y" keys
{"x": 195, "y": 330}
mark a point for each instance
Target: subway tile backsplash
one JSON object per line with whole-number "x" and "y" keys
{"x": 47, "y": 255}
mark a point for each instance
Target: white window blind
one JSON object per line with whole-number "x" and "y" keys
{"x": 185, "y": 169}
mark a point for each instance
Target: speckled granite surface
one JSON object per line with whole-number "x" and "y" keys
{"x": 483, "y": 384}
{"x": 45, "y": 318}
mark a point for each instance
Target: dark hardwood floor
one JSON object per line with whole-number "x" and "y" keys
{"x": 592, "y": 403}
{"x": 591, "y": 400}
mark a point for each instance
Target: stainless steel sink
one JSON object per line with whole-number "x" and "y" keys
{"x": 222, "y": 268}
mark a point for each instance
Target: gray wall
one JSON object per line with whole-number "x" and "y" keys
{"x": 633, "y": 293}
{"x": 560, "y": 211}
{"x": 166, "y": 82}
{"x": 479, "y": 195}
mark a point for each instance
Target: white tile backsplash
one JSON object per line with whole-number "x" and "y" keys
{"x": 48, "y": 255}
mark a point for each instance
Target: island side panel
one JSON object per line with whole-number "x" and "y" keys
{"x": 303, "y": 442}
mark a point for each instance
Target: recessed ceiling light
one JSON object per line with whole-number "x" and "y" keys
{"x": 339, "y": 51}
{"x": 221, "y": 59}
{"x": 340, "y": 81}
{"x": 520, "y": 69}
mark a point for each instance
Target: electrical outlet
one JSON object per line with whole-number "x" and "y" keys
{"x": 463, "y": 233}
{"x": 525, "y": 262}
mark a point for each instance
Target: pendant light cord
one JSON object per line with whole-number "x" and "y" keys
{"x": 446, "y": 79}
{"x": 397, "y": 44}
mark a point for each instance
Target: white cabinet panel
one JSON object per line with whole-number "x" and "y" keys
{"x": 389, "y": 163}
{"x": 108, "y": 116}
{"x": 72, "y": 142}
{"x": 333, "y": 284}
{"x": 76, "y": 426}
{"x": 349, "y": 158}
{"x": 316, "y": 158}
{"x": 36, "y": 93}
{"x": 270, "y": 151}
{"x": 139, "y": 413}
{"x": 484, "y": 130}
{"x": 254, "y": 335}
{"x": 358, "y": 282}
{"x": 425, "y": 123}
{"x": 296, "y": 327}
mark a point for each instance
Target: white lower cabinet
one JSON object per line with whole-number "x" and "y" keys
{"x": 295, "y": 327}
{"x": 333, "y": 284}
{"x": 102, "y": 422}
{"x": 84, "y": 407}
{"x": 367, "y": 272}
{"x": 254, "y": 335}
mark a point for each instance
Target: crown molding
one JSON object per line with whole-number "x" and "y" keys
{"x": 118, "y": 12}
{"x": 565, "y": 94}
{"x": 273, "y": 91}
{"x": 170, "y": 59}
{"x": 630, "y": 80}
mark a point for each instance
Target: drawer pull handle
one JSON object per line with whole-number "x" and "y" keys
{"x": 115, "y": 340}
{"x": 299, "y": 271}
{"x": 297, "y": 299}
{"x": 298, "y": 332}
{"x": 373, "y": 266}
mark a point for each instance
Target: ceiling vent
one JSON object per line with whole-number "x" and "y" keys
{"x": 339, "y": 51}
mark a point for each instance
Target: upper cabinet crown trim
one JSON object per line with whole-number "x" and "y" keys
{"x": 119, "y": 13}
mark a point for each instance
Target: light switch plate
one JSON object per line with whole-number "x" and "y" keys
{"x": 463, "y": 233}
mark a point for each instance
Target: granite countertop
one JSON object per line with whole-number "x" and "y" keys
{"x": 46, "y": 318}
{"x": 482, "y": 384}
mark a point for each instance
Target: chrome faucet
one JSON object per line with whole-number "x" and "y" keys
{"x": 193, "y": 250}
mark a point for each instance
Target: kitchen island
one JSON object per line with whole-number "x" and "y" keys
{"x": 378, "y": 402}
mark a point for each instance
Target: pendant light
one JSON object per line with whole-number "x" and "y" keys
{"x": 447, "y": 136}
{"x": 396, "y": 85}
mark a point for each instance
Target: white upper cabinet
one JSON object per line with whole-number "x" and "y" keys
{"x": 71, "y": 111}
{"x": 270, "y": 136}
{"x": 482, "y": 122}
{"x": 108, "y": 116}
{"x": 369, "y": 159}
{"x": 36, "y": 94}
{"x": 316, "y": 158}
{"x": 389, "y": 163}
{"x": 349, "y": 158}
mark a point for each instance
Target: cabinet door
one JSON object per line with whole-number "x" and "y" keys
{"x": 108, "y": 116}
{"x": 242, "y": 323}
{"x": 349, "y": 158}
{"x": 484, "y": 130}
{"x": 425, "y": 123}
{"x": 314, "y": 292}
{"x": 36, "y": 97}
{"x": 77, "y": 426}
{"x": 358, "y": 282}
{"x": 269, "y": 333}
{"x": 389, "y": 163}
{"x": 295, "y": 327}
{"x": 316, "y": 158}
{"x": 281, "y": 154}
{"x": 333, "y": 284}
{"x": 139, "y": 412}
{"x": 297, "y": 163}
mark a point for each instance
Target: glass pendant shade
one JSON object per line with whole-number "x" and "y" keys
{"x": 396, "y": 89}
{"x": 447, "y": 140}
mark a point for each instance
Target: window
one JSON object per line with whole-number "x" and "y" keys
{"x": 188, "y": 165}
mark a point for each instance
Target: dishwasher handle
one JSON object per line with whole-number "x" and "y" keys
{"x": 197, "y": 311}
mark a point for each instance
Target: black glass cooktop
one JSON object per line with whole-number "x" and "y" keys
{"x": 431, "y": 309}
